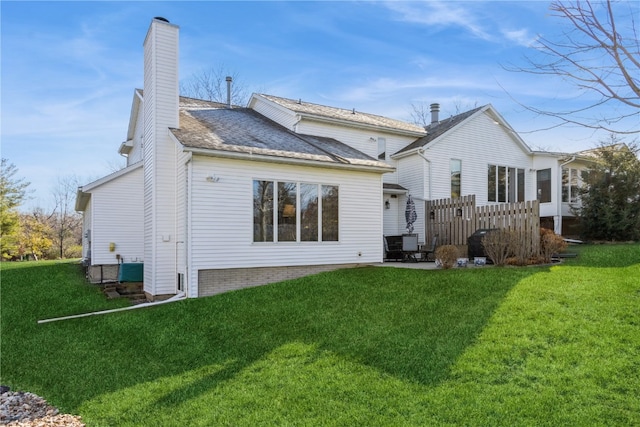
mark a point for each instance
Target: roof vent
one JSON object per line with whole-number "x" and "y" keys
{"x": 160, "y": 18}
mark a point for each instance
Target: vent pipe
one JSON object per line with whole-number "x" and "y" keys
{"x": 229, "y": 80}
{"x": 435, "y": 110}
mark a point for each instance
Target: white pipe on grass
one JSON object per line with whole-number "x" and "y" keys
{"x": 174, "y": 298}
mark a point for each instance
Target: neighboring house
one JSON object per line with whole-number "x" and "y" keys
{"x": 216, "y": 197}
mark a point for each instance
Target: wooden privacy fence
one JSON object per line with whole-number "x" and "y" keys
{"x": 454, "y": 220}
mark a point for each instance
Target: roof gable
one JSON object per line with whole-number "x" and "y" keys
{"x": 436, "y": 132}
{"x": 343, "y": 116}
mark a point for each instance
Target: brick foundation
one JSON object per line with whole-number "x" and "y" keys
{"x": 212, "y": 282}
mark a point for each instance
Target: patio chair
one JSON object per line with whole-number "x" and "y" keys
{"x": 426, "y": 251}
{"x": 410, "y": 247}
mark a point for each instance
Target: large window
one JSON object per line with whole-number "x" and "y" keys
{"x": 262, "y": 211}
{"x": 303, "y": 213}
{"x": 505, "y": 184}
{"x": 455, "y": 167}
{"x": 543, "y": 185}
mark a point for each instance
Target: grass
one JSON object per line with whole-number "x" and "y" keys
{"x": 372, "y": 346}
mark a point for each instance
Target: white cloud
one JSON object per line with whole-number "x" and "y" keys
{"x": 520, "y": 37}
{"x": 440, "y": 14}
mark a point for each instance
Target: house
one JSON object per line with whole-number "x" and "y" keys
{"x": 217, "y": 197}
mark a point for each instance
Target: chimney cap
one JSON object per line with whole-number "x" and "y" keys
{"x": 160, "y": 18}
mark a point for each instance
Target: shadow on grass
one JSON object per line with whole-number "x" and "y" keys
{"x": 412, "y": 325}
{"x": 408, "y": 324}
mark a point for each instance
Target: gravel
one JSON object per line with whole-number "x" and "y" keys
{"x": 24, "y": 409}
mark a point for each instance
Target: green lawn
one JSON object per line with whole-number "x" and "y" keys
{"x": 371, "y": 346}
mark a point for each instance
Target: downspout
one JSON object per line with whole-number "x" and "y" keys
{"x": 421, "y": 154}
{"x": 187, "y": 225}
{"x": 559, "y": 231}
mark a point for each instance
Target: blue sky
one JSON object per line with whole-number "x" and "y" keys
{"x": 69, "y": 68}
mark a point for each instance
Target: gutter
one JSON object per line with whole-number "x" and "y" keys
{"x": 177, "y": 297}
{"x": 286, "y": 160}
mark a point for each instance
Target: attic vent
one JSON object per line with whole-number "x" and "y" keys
{"x": 160, "y": 18}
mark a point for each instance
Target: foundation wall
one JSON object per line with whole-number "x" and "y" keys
{"x": 212, "y": 282}
{"x": 102, "y": 273}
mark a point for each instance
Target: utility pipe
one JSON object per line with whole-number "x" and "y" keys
{"x": 174, "y": 298}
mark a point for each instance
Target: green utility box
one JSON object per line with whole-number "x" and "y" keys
{"x": 131, "y": 272}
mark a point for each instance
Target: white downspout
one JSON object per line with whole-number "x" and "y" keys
{"x": 559, "y": 188}
{"x": 421, "y": 154}
{"x": 187, "y": 225}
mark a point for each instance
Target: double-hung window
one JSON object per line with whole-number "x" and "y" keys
{"x": 285, "y": 211}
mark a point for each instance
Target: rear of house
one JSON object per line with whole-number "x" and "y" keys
{"x": 217, "y": 197}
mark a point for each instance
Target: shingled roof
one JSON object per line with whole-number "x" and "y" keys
{"x": 214, "y": 127}
{"x": 323, "y": 112}
{"x": 434, "y": 131}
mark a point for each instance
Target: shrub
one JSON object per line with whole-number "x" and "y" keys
{"x": 550, "y": 243}
{"x": 448, "y": 255}
{"x": 498, "y": 245}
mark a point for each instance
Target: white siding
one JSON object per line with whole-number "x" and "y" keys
{"x": 116, "y": 216}
{"x": 222, "y": 216}
{"x": 160, "y": 113}
{"x": 136, "y": 152}
{"x": 87, "y": 225}
{"x": 392, "y": 219}
{"x": 284, "y": 117}
{"x": 477, "y": 143}
{"x": 413, "y": 173}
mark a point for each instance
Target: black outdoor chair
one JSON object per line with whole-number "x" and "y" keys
{"x": 425, "y": 252}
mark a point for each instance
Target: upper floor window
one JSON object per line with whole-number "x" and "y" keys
{"x": 543, "y": 185}
{"x": 301, "y": 212}
{"x": 382, "y": 148}
{"x": 505, "y": 184}
{"x": 455, "y": 166}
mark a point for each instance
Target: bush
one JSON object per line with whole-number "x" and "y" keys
{"x": 550, "y": 243}
{"x": 498, "y": 245}
{"x": 73, "y": 251}
{"x": 447, "y": 255}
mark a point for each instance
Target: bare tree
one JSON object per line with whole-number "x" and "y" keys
{"x": 421, "y": 111}
{"x": 65, "y": 221}
{"x": 599, "y": 54}
{"x": 211, "y": 85}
